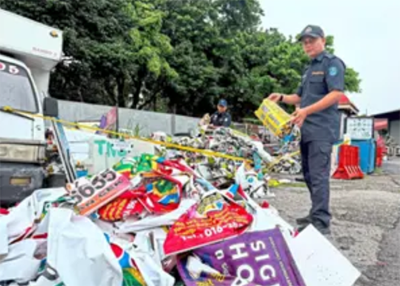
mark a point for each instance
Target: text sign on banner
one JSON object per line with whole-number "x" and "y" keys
{"x": 213, "y": 219}
{"x": 103, "y": 153}
{"x": 119, "y": 145}
{"x": 98, "y": 191}
{"x": 262, "y": 258}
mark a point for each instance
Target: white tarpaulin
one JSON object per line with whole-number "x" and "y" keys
{"x": 20, "y": 264}
{"x": 79, "y": 251}
{"x": 319, "y": 262}
{"x": 21, "y": 220}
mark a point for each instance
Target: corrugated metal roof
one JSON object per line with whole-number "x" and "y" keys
{"x": 386, "y": 112}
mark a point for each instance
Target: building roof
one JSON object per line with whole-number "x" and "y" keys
{"x": 380, "y": 124}
{"x": 344, "y": 100}
{"x": 345, "y": 103}
{"x": 386, "y": 112}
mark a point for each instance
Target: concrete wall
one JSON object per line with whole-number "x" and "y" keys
{"x": 128, "y": 118}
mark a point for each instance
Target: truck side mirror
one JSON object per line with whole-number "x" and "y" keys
{"x": 50, "y": 107}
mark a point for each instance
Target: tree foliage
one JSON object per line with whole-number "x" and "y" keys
{"x": 170, "y": 55}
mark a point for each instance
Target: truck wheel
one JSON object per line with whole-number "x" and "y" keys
{"x": 56, "y": 181}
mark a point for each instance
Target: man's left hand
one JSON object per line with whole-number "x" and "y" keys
{"x": 299, "y": 116}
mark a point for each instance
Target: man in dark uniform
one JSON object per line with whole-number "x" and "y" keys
{"x": 221, "y": 117}
{"x": 321, "y": 87}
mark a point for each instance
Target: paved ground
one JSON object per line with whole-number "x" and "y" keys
{"x": 366, "y": 223}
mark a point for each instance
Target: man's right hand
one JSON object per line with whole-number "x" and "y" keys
{"x": 275, "y": 97}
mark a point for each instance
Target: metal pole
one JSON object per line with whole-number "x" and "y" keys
{"x": 117, "y": 115}
{"x": 117, "y": 121}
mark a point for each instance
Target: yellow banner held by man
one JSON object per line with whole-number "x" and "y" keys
{"x": 273, "y": 117}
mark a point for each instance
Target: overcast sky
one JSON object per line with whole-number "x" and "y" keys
{"x": 367, "y": 38}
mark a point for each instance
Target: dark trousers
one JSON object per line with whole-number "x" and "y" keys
{"x": 316, "y": 164}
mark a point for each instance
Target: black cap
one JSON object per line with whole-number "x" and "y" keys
{"x": 312, "y": 31}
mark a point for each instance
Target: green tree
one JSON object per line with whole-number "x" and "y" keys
{"x": 151, "y": 49}
{"x": 207, "y": 54}
{"x": 178, "y": 56}
{"x": 190, "y": 26}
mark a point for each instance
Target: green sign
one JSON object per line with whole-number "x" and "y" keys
{"x": 105, "y": 147}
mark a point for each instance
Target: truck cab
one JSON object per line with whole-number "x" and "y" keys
{"x": 28, "y": 53}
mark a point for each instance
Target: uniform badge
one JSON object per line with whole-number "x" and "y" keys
{"x": 333, "y": 71}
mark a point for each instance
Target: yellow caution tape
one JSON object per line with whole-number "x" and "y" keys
{"x": 273, "y": 183}
{"x": 166, "y": 144}
{"x": 281, "y": 158}
{"x": 8, "y": 109}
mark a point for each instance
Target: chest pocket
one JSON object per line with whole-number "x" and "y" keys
{"x": 317, "y": 84}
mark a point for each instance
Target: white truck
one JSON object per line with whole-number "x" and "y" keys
{"x": 28, "y": 52}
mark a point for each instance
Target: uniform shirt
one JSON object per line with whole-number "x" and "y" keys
{"x": 221, "y": 119}
{"x": 324, "y": 74}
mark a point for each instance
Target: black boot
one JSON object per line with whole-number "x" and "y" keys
{"x": 304, "y": 220}
{"x": 324, "y": 230}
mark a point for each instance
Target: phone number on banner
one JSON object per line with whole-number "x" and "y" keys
{"x": 91, "y": 194}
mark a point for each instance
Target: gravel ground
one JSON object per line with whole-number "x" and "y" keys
{"x": 366, "y": 221}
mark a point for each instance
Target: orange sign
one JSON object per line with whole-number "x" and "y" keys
{"x": 98, "y": 191}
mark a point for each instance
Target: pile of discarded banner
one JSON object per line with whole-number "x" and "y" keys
{"x": 221, "y": 140}
{"x": 221, "y": 171}
{"x": 158, "y": 222}
{"x": 287, "y": 159}
{"x": 228, "y": 141}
